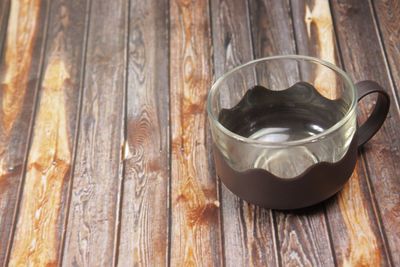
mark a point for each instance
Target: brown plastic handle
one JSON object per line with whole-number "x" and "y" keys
{"x": 368, "y": 129}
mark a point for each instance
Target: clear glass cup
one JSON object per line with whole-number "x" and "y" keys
{"x": 295, "y": 127}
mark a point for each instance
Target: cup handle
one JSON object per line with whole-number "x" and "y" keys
{"x": 368, "y": 129}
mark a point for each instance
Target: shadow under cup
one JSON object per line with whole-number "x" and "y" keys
{"x": 285, "y": 131}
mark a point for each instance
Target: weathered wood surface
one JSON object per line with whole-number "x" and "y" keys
{"x": 4, "y": 15}
{"x": 39, "y": 226}
{"x": 315, "y": 34}
{"x": 144, "y": 219}
{"x": 105, "y": 148}
{"x": 20, "y": 69}
{"x": 195, "y": 221}
{"x": 388, "y": 21}
{"x": 315, "y": 37}
{"x": 91, "y": 234}
{"x": 365, "y": 60}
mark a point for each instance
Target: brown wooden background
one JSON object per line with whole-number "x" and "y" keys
{"x": 105, "y": 148}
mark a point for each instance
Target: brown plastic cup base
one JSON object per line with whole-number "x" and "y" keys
{"x": 260, "y": 187}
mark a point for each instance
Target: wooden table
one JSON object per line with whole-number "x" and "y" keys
{"x": 105, "y": 147}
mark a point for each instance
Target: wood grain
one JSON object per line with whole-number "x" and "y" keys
{"x": 353, "y": 203}
{"x": 28, "y": 12}
{"x": 135, "y": 199}
{"x": 314, "y": 32}
{"x": 365, "y": 61}
{"x": 91, "y": 229}
{"x": 315, "y": 36}
{"x": 302, "y": 238}
{"x": 19, "y": 72}
{"x": 4, "y": 15}
{"x": 356, "y": 238}
{"x": 248, "y": 230}
{"x": 388, "y": 21}
{"x": 195, "y": 223}
{"x": 37, "y": 237}
{"x": 144, "y": 221}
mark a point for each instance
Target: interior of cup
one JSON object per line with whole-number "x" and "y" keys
{"x": 282, "y": 99}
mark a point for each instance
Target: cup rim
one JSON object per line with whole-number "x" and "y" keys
{"x": 310, "y": 139}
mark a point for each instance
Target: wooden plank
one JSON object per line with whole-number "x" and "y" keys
{"x": 316, "y": 36}
{"x": 4, "y": 9}
{"x": 144, "y": 221}
{"x": 19, "y": 72}
{"x": 356, "y": 237}
{"x": 363, "y": 59}
{"x": 4, "y": 14}
{"x": 92, "y": 223}
{"x": 38, "y": 234}
{"x": 314, "y": 31}
{"x": 248, "y": 230}
{"x": 388, "y": 21}
{"x": 302, "y": 237}
{"x": 195, "y": 223}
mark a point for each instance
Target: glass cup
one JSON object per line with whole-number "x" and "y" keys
{"x": 284, "y": 129}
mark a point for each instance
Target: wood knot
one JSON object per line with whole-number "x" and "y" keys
{"x": 194, "y": 108}
{"x": 203, "y": 214}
